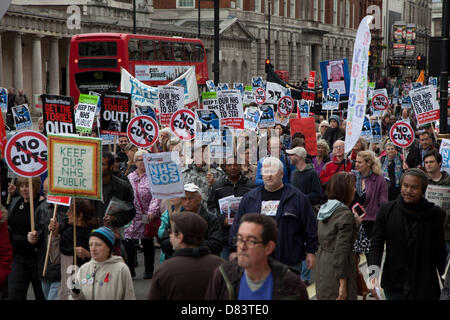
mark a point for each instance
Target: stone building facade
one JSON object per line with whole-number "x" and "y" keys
{"x": 35, "y": 35}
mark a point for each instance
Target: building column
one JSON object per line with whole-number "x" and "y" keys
{"x": 54, "y": 66}
{"x": 36, "y": 71}
{"x": 18, "y": 63}
{"x": 306, "y": 60}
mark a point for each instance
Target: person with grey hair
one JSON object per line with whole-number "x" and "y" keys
{"x": 412, "y": 228}
{"x": 392, "y": 168}
{"x": 297, "y": 226}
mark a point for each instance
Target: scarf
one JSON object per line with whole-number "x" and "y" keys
{"x": 359, "y": 178}
{"x": 398, "y": 169}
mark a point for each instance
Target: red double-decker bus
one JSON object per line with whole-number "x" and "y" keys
{"x": 96, "y": 58}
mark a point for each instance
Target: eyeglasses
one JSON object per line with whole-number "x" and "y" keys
{"x": 249, "y": 243}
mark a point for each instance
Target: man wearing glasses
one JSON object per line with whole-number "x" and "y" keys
{"x": 254, "y": 275}
{"x": 337, "y": 164}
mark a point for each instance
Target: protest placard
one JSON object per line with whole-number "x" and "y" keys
{"x": 231, "y": 109}
{"x": 107, "y": 139}
{"x": 331, "y": 100}
{"x": 223, "y": 86}
{"x": 401, "y": 134}
{"x": 182, "y": 124}
{"x": 308, "y": 94}
{"x": 240, "y": 87}
{"x": 366, "y": 131}
{"x": 188, "y": 81}
{"x": 142, "y": 131}
{"x": 145, "y": 111}
{"x": 3, "y": 100}
{"x": 75, "y": 166}
{"x": 439, "y": 195}
{"x": 308, "y": 128}
{"x": 257, "y": 82}
{"x": 115, "y": 113}
{"x": 283, "y": 120}
{"x": 59, "y": 200}
{"x": 26, "y": 154}
{"x": 249, "y": 96}
{"x": 311, "y": 79}
{"x": 233, "y": 208}
{"x": 303, "y": 107}
{"x": 425, "y": 104}
{"x": 335, "y": 75}
{"x": 445, "y": 153}
{"x": 285, "y": 106}
{"x": 260, "y": 95}
{"x": 22, "y": 117}
{"x": 208, "y": 125}
{"x": 210, "y": 101}
{"x": 267, "y": 119}
{"x": 58, "y": 114}
{"x": 251, "y": 118}
{"x": 93, "y": 93}
{"x": 171, "y": 99}
{"x": 164, "y": 175}
{"x": 85, "y": 112}
{"x": 210, "y": 85}
{"x": 405, "y": 101}
{"x": 376, "y": 130}
{"x": 380, "y": 99}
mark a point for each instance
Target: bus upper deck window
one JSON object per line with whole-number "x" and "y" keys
{"x": 134, "y": 52}
{"x": 148, "y": 51}
{"x": 198, "y": 53}
{"x": 178, "y": 51}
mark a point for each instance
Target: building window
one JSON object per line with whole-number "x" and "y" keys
{"x": 276, "y": 7}
{"x": 316, "y": 10}
{"x": 239, "y": 4}
{"x": 334, "y": 12}
{"x": 347, "y": 14}
{"x": 266, "y": 7}
{"x": 257, "y": 5}
{"x": 285, "y": 8}
{"x": 322, "y": 11}
{"x": 292, "y": 8}
{"x": 353, "y": 15}
{"x": 185, "y": 4}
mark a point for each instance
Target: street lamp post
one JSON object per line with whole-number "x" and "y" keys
{"x": 199, "y": 19}
{"x": 216, "y": 41}
{"x": 443, "y": 102}
{"x": 268, "y": 33}
{"x": 134, "y": 16}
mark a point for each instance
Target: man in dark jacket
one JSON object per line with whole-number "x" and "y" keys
{"x": 254, "y": 275}
{"x": 334, "y": 132}
{"x": 416, "y": 154}
{"x": 233, "y": 184}
{"x": 297, "y": 226}
{"x": 412, "y": 228}
{"x": 304, "y": 177}
{"x": 195, "y": 261}
{"x": 192, "y": 202}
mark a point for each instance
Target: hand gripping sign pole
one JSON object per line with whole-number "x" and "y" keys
{"x": 30, "y": 190}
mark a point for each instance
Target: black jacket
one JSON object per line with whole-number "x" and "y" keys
{"x": 308, "y": 182}
{"x": 415, "y": 247}
{"x": 224, "y": 188}
{"x": 212, "y": 239}
{"x": 333, "y": 134}
{"x": 123, "y": 191}
{"x": 44, "y": 213}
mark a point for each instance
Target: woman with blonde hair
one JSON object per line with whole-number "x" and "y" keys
{"x": 323, "y": 151}
{"x": 371, "y": 192}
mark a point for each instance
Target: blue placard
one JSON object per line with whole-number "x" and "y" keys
{"x": 335, "y": 75}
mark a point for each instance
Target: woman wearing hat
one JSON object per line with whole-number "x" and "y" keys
{"x": 105, "y": 277}
{"x": 334, "y": 132}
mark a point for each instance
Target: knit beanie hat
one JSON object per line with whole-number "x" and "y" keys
{"x": 106, "y": 234}
{"x": 336, "y": 118}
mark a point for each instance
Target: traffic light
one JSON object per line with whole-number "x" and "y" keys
{"x": 268, "y": 65}
{"x": 418, "y": 61}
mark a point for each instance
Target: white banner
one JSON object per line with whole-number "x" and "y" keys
{"x": 275, "y": 92}
{"x": 141, "y": 93}
{"x": 358, "y": 84}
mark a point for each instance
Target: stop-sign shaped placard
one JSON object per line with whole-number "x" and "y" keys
{"x": 182, "y": 124}
{"x": 402, "y": 134}
{"x": 26, "y": 154}
{"x": 142, "y": 131}
{"x": 285, "y": 105}
{"x": 260, "y": 96}
{"x": 380, "y": 102}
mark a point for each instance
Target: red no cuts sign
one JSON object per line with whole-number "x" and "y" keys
{"x": 260, "y": 96}
{"x": 401, "y": 134}
{"x": 26, "y": 154}
{"x": 380, "y": 102}
{"x": 285, "y": 106}
{"x": 142, "y": 131}
{"x": 182, "y": 124}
